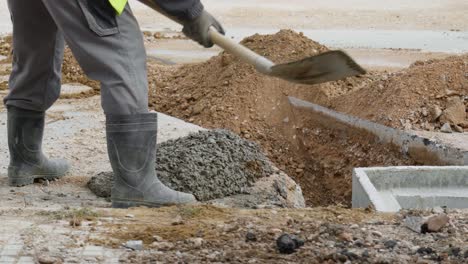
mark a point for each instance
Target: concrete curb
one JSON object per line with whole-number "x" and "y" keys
{"x": 419, "y": 148}
{"x": 390, "y": 189}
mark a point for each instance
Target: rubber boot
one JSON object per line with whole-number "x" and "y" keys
{"x": 27, "y": 162}
{"x": 131, "y": 144}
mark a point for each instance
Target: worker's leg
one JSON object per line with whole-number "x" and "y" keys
{"x": 37, "y": 57}
{"x": 109, "y": 48}
{"x": 34, "y": 86}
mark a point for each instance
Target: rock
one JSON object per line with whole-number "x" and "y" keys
{"x": 101, "y": 184}
{"x": 348, "y": 237}
{"x": 465, "y": 255}
{"x": 350, "y": 255}
{"x": 435, "y": 223}
{"x": 414, "y": 223}
{"x": 458, "y": 129}
{"x": 390, "y": 244}
{"x": 157, "y": 238}
{"x": 425, "y": 251}
{"x": 162, "y": 246}
{"x": 455, "y": 113}
{"x": 250, "y": 237}
{"x": 435, "y": 112}
{"x": 197, "y": 242}
{"x": 438, "y": 210}
{"x": 287, "y": 244}
{"x": 134, "y": 244}
{"x": 407, "y": 126}
{"x": 45, "y": 259}
{"x": 198, "y": 108}
{"x": 446, "y": 128}
{"x": 454, "y": 251}
{"x": 424, "y": 112}
{"x": 75, "y": 222}
{"x": 177, "y": 221}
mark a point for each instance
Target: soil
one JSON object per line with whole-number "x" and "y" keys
{"x": 406, "y": 99}
{"x": 224, "y": 92}
{"x": 209, "y": 164}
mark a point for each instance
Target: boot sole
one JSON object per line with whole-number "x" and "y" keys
{"x": 24, "y": 181}
{"x": 123, "y": 204}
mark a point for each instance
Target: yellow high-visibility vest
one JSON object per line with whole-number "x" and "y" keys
{"x": 118, "y": 5}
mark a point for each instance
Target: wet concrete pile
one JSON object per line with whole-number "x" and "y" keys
{"x": 209, "y": 164}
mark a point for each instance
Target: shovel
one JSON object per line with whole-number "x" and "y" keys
{"x": 325, "y": 67}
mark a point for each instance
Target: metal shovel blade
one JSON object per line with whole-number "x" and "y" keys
{"x": 325, "y": 67}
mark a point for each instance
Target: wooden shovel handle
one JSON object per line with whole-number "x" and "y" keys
{"x": 261, "y": 63}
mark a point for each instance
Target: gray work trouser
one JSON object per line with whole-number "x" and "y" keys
{"x": 109, "y": 49}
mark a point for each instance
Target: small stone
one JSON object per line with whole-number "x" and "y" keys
{"x": 458, "y": 129}
{"x": 162, "y": 246}
{"x": 424, "y": 112}
{"x": 407, "y": 126}
{"x": 414, "y": 223}
{"x": 348, "y": 237}
{"x": 424, "y": 250}
{"x": 134, "y": 244}
{"x": 446, "y": 128}
{"x": 75, "y": 222}
{"x": 465, "y": 255}
{"x": 390, "y": 244}
{"x": 197, "y": 242}
{"x": 157, "y": 238}
{"x": 455, "y": 113}
{"x": 435, "y": 112}
{"x": 287, "y": 244}
{"x": 435, "y": 223}
{"x": 438, "y": 210}
{"x": 178, "y": 220}
{"x": 275, "y": 231}
{"x": 250, "y": 237}
{"x": 454, "y": 251}
{"x": 44, "y": 259}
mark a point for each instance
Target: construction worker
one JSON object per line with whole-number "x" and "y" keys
{"x": 105, "y": 38}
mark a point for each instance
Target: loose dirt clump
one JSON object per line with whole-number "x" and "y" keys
{"x": 209, "y": 164}
{"x": 423, "y": 97}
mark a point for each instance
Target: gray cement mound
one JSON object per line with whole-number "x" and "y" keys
{"x": 209, "y": 164}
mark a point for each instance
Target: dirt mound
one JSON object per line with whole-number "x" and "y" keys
{"x": 422, "y": 97}
{"x": 224, "y": 92}
{"x": 209, "y": 164}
